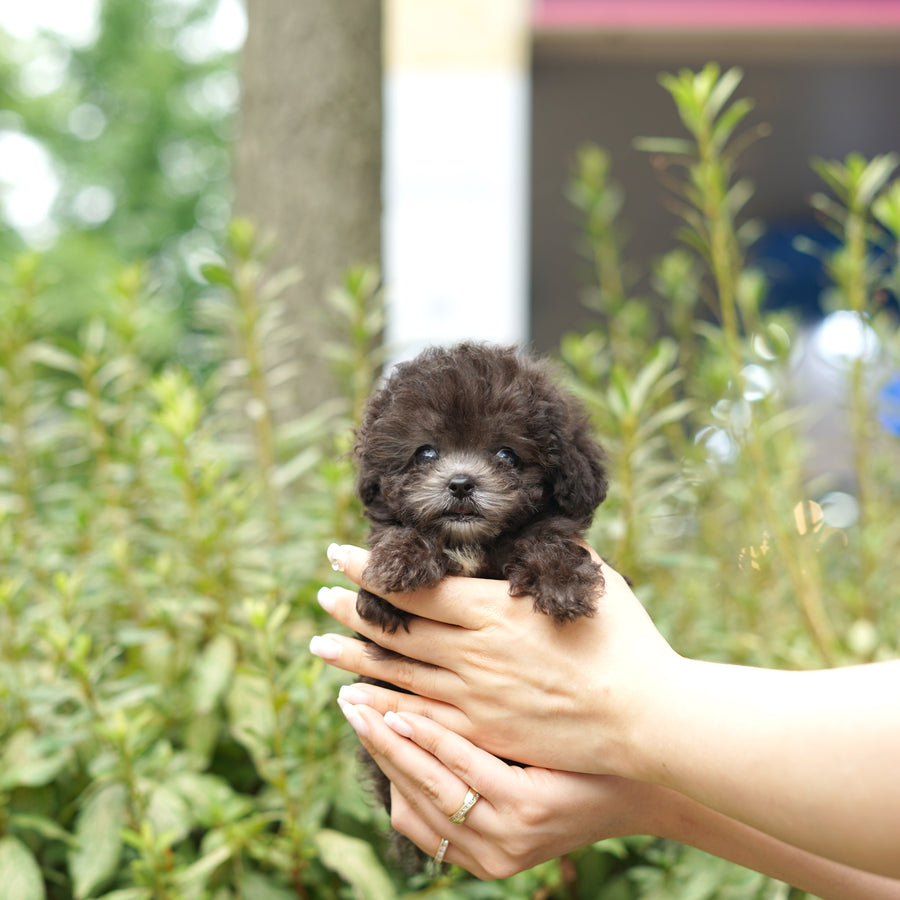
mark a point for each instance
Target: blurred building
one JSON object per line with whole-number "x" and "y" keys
{"x": 487, "y": 102}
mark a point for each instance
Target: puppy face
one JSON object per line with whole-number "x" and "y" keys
{"x": 475, "y": 441}
{"x": 469, "y": 493}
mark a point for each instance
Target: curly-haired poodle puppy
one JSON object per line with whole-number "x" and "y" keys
{"x": 472, "y": 461}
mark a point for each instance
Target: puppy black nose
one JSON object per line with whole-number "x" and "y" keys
{"x": 461, "y": 486}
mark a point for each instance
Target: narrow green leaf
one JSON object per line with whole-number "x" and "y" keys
{"x": 665, "y": 416}
{"x": 198, "y": 873}
{"x": 279, "y": 283}
{"x": 305, "y": 461}
{"x": 695, "y": 241}
{"x": 264, "y": 887}
{"x": 651, "y": 373}
{"x": 355, "y": 861}
{"x": 98, "y": 830}
{"x": 134, "y": 893}
{"x": 30, "y": 761}
{"x": 55, "y": 358}
{"x": 668, "y": 146}
{"x": 169, "y": 814}
{"x": 874, "y": 177}
{"x": 20, "y": 875}
{"x": 738, "y": 196}
{"x": 887, "y": 209}
{"x": 617, "y": 394}
{"x": 722, "y": 91}
{"x": 832, "y": 173}
{"x": 212, "y": 673}
{"x": 216, "y": 273}
{"x": 43, "y": 826}
{"x": 252, "y": 720}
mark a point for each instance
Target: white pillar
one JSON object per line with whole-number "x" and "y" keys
{"x": 456, "y": 171}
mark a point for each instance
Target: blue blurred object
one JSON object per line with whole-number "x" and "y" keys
{"x": 796, "y": 277}
{"x": 889, "y": 406}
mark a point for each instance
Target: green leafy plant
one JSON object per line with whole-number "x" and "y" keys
{"x": 164, "y": 732}
{"x": 713, "y": 508}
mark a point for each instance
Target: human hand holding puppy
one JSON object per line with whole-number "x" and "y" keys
{"x": 806, "y": 758}
{"x": 525, "y": 816}
{"x": 481, "y": 663}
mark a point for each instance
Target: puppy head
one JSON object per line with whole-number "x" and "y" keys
{"x": 474, "y": 441}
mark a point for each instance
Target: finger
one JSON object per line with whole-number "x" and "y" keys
{"x": 432, "y": 789}
{"x": 420, "y": 637}
{"x": 478, "y": 769}
{"x": 406, "y": 819}
{"x": 353, "y": 655}
{"x": 462, "y": 850}
{"x": 383, "y": 700}
{"x": 420, "y": 788}
{"x": 440, "y": 603}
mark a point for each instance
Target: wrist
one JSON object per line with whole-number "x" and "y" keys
{"x": 645, "y": 705}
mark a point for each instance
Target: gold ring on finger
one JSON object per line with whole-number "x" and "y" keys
{"x": 460, "y": 815}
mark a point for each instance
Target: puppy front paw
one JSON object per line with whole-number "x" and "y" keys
{"x": 403, "y": 560}
{"x": 379, "y": 612}
{"x": 565, "y": 585}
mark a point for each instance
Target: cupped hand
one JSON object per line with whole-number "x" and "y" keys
{"x": 523, "y": 816}
{"x": 514, "y": 682}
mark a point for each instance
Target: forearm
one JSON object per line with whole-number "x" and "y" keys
{"x": 809, "y": 757}
{"x": 687, "y": 822}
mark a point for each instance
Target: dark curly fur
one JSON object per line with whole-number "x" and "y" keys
{"x": 473, "y": 462}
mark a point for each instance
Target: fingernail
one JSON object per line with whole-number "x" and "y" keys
{"x": 326, "y": 599}
{"x": 357, "y": 723}
{"x": 401, "y": 726}
{"x": 352, "y": 694}
{"x": 337, "y": 556}
{"x": 324, "y": 647}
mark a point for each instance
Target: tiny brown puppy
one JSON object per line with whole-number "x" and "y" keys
{"x": 472, "y": 461}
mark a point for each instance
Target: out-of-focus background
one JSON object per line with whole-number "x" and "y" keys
{"x": 122, "y": 131}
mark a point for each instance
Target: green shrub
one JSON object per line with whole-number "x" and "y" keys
{"x": 164, "y": 732}
{"x": 713, "y": 509}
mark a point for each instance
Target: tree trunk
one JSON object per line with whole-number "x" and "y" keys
{"x": 308, "y": 165}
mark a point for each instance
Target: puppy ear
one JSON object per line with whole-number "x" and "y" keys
{"x": 367, "y": 489}
{"x": 368, "y": 473}
{"x": 579, "y": 481}
{"x": 368, "y": 480}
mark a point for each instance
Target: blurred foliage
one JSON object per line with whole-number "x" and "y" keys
{"x": 136, "y": 121}
{"x": 741, "y": 547}
{"x": 164, "y": 732}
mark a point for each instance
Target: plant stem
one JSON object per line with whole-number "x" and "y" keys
{"x": 726, "y": 262}
{"x": 262, "y": 417}
{"x": 861, "y": 411}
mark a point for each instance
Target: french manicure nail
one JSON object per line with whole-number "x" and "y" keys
{"x": 352, "y": 694}
{"x": 357, "y": 723}
{"x": 401, "y": 726}
{"x": 326, "y": 599}
{"x": 324, "y": 647}
{"x": 337, "y": 556}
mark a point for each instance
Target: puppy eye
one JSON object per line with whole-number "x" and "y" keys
{"x": 426, "y": 454}
{"x": 508, "y": 456}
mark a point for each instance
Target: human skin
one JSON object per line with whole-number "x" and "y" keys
{"x": 528, "y": 815}
{"x": 809, "y": 758}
